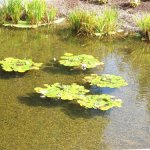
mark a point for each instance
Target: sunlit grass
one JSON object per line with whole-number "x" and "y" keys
{"x": 144, "y": 22}
{"x": 82, "y": 21}
{"x": 13, "y": 10}
{"x": 36, "y": 11}
{"x": 85, "y": 22}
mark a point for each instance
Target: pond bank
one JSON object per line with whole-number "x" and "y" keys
{"x": 126, "y": 13}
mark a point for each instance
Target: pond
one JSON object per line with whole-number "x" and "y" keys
{"x": 30, "y": 122}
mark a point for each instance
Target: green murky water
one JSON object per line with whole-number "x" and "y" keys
{"x": 28, "y": 122}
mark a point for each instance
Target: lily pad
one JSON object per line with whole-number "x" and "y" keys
{"x": 19, "y": 65}
{"x": 102, "y": 102}
{"x": 79, "y": 61}
{"x": 111, "y": 81}
{"x": 64, "y": 92}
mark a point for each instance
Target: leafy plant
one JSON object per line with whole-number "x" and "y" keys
{"x": 64, "y": 92}
{"x": 106, "y": 80}
{"x": 102, "y": 102}
{"x": 79, "y": 61}
{"x": 19, "y": 65}
{"x": 77, "y": 93}
{"x": 135, "y": 3}
{"x": 13, "y": 10}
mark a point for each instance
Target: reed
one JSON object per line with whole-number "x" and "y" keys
{"x": 13, "y": 10}
{"x": 83, "y": 22}
{"x": 35, "y": 11}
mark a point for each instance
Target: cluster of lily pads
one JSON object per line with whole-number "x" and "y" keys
{"x": 79, "y": 61}
{"x": 19, "y": 65}
{"x": 74, "y": 92}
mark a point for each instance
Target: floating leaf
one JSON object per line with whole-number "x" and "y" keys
{"x": 111, "y": 81}
{"x": 102, "y": 102}
{"x": 19, "y": 65}
{"x": 64, "y": 92}
{"x": 80, "y": 61}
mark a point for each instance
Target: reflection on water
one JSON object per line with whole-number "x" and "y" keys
{"x": 29, "y": 122}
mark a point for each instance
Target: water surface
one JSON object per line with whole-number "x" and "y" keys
{"x": 29, "y": 122}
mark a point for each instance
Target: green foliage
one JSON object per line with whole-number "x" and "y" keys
{"x": 107, "y": 23}
{"x": 102, "y": 102}
{"x": 64, "y": 92}
{"x": 2, "y": 15}
{"x": 79, "y": 61}
{"x": 36, "y": 10}
{"x": 19, "y": 65}
{"x": 51, "y": 14}
{"x": 30, "y": 11}
{"x": 77, "y": 93}
{"x": 144, "y": 22}
{"x": 13, "y": 10}
{"x": 107, "y": 80}
{"x": 135, "y": 3}
{"x": 84, "y": 22}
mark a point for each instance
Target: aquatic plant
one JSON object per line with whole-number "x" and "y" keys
{"x": 77, "y": 93}
{"x": 64, "y": 92}
{"x": 88, "y": 23}
{"x": 111, "y": 81}
{"x": 102, "y": 102}
{"x": 107, "y": 22}
{"x": 144, "y": 24}
{"x": 82, "y": 22}
{"x": 19, "y": 65}
{"x": 35, "y": 11}
{"x": 79, "y": 61}
{"x": 51, "y": 14}
{"x": 134, "y": 3}
{"x": 13, "y": 10}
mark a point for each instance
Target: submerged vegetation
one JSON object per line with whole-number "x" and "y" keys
{"x": 19, "y": 65}
{"x": 111, "y": 81}
{"x": 79, "y": 61}
{"x": 26, "y": 12}
{"x": 85, "y": 22}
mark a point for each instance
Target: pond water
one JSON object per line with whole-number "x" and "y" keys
{"x": 30, "y": 122}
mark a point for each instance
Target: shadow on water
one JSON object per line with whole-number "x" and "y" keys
{"x": 71, "y": 109}
{"x": 9, "y": 75}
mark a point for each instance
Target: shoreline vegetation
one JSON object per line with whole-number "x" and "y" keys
{"x": 84, "y": 18}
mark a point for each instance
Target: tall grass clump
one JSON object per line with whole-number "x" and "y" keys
{"x": 144, "y": 24}
{"x": 83, "y": 22}
{"x": 107, "y": 22}
{"x": 51, "y": 14}
{"x": 35, "y": 11}
{"x": 13, "y": 10}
